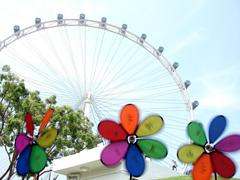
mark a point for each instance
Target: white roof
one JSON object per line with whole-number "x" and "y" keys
{"x": 88, "y": 165}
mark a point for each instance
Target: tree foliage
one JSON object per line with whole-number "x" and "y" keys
{"x": 75, "y": 130}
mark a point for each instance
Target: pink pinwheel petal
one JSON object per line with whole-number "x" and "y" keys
{"x": 22, "y": 141}
{"x": 223, "y": 165}
{"x": 114, "y": 153}
{"x": 229, "y": 144}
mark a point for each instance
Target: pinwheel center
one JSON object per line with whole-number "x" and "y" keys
{"x": 132, "y": 139}
{"x": 209, "y": 148}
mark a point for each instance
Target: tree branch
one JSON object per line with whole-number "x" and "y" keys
{"x": 2, "y": 98}
{"x": 9, "y": 157}
{"x": 45, "y": 172}
{"x": 10, "y": 167}
{"x": 3, "y": 117}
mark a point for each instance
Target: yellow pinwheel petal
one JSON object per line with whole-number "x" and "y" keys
{"x": 150, "y": 125}
{"x": 47, "y": 138}
{"x": 190, "y": 153}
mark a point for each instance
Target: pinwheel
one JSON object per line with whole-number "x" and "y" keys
{"x": 31, "y": 149}
{"x": 208, "y": 156}
{"x": 128, "y": 141}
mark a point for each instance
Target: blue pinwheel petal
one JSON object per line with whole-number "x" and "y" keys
{"x": 216, "y": 128}
{"x": 23, "y": 162}
{"x": 135, "y": 163}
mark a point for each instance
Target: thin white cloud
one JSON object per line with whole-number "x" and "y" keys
{"x": 188, "y": 40}
{"x": 197, "y": 5}
{"x": 220, "y": 89}
{"x": 220, "y": 99}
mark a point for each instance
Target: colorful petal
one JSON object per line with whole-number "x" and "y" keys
{"x": 196, "y": 133}
{"x": 135, "y": 163}
{"x": 129, "y": 118}
{"x": 22, "y": 141}
{"x": 29, "y": 123}
{"x": 203, "y": 169}
{"x": 111, "y": 130}
{"x": 47, "y": 138}
{"x": 223, "y": 165}
{"x": 229, "y": 144}
{"x": 114, "y": 153}
{"x": 190, "y": 153}
{"x": 216, "y": 128}
{"x": 45, "y": 119}
{"x": 150, "y": 125}
{"x": 23, "y": 162}
{"x": 153, "y": 148}
{"x": 38, "y": 159}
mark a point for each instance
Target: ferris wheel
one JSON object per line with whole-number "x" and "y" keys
{"x": 98, "y": 68}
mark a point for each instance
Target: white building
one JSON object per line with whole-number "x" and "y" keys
{"x": 87, "y": 165}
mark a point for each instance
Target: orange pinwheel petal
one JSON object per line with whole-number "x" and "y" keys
{"x": 45, "y": 119}
{"x": 203, "y": 168}
{"x": 129, "y": 118}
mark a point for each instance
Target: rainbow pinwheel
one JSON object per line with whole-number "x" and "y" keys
{"x": 32, "y": 156}
{"x": 208, "y": 157}
{"x": 129, "y": 142}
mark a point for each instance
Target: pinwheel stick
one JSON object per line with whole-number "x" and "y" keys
{"x": 130, "y": 177}
{"x": 215, "y": 175}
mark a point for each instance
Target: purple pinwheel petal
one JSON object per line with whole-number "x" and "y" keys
{"x": 114, "y": 153}
{"x": 229, "y": 144}
{"x": 217, "y": 126}
{"x": 21, "y": 142}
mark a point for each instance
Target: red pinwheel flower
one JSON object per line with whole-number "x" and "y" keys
{"x": 32, "y": 156}
{"x": 127, "y": 141}
{"x": 208, "y": 157}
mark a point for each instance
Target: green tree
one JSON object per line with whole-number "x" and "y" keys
{"x": 75, "y": 130}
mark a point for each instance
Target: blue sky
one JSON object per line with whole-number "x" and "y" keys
{"x": 203, "y": 36}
